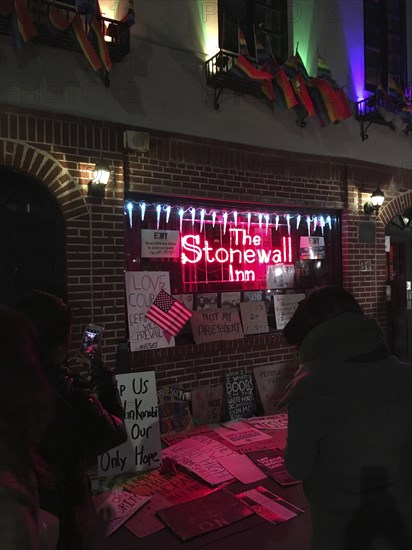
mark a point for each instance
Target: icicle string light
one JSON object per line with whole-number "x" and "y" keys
{"x": 129, "y": 207}
{"x": 312, "y": 221}
{"x": 158, "y": 210}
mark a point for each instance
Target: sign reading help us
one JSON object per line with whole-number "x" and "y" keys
{"x": 142, "y": 450}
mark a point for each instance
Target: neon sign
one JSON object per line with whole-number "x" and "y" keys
{"x": 245, "y": 255}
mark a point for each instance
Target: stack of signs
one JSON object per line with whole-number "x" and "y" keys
{"x": 270, "y": 506}
{"x": 240, "y": 395}
{"x": 271, "y": 463}
{"x": 119, "y": 506}
{"x": 207, "y": 404}
{"x": 174, "y": 413}
{"x": 205, "y": 514}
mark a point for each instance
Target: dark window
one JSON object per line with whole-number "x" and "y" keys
{"x": 385, "y": 42}
{"x": 265, "y": 16}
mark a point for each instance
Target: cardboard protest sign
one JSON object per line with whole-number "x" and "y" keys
{"x": 271, "y": 422}
{"x": 160, "y": 243}
{"x": 271, "y": 381}
{"x": 272, "y": 463}
{"x": 199, "y": 454}
{"x": 207, "y": 404}
{"x": 121, "y": 505}
{"x": 142, "y": 287}
{"x": 254, "y": 317}
{"x": 142, "y": 450}
{"x": 216, "y": 324}
{"x": 174, "y": 413}
{"x": 285, "y": 306}
{"x": 205, "y": 514}
{"x": 239, "y": 392}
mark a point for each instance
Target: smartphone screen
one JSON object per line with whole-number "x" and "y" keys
{"x": 91, "y": 336}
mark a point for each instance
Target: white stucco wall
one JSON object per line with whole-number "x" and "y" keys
{"x": 161, "y": 83}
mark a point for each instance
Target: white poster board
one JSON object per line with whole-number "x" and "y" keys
{"x": 142, "y": 450}
{"x": 207, "y": 404}
{"x": 142, "y": 287}
{"x": 160, "y": 244}
{"x": 254, "y": 318}
{"x": 285, "y": 307}
{"x": 312, "y": 248}
{"x": 271, "y": 381}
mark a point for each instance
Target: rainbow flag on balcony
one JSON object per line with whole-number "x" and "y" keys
{"x": 97, "y": 31}
{"x": 22, "y": 26}
{"x": 301, "y": 92}
{"x": 285, "y": 98}
{"x": 323, "y": 68}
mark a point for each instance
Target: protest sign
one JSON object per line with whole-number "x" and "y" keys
{"x": 160, "y": 244}
{"x": 239, "y": 391}
{"x": 199, "y": 454}
{"x": 312, "y": 248}
{"x": 146, "y": 523}
{"x": 205, "y": 514}
{"x": 272, "y": 463}
{"x": 119, "y": 506}
{"x": 142, "y": 450}
{"x": 230, "y": 299}
{"x": 239, "y": 433}
{"x": 285, "y": 306}
{"x": 271, "y": 381}
{"x": 254, "y": 317}
{"x": 270, "y": 506}
{"x": 216, "y": 324}
{"x": 271, "y": 422}
{"x": 174, "y": 413}
{"x": 207, "y": 404}
{"x": 142, "y": 287}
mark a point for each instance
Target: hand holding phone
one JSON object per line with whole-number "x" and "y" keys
{"x": 91, "y": 339}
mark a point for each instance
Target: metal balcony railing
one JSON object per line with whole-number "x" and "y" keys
{"x": 118, "y": 46}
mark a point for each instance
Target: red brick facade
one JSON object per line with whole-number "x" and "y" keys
{"x": 60, "y": 151}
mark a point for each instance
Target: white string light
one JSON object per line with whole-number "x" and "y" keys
{"x": 158, "y": 210}
{"x": 260, "y": 216}
{"x": 267, "y": 222}
{"x": 129, "y": 207}
{"x": 168, "y": 209}
{"x": 308, "y": 224}
{"x": 202, "y": 219}
{"x": 288, "y": 222}
{"x": 224, "y": 222}
{"x": 249, "y": 217}
{"x": 298, "y": 221}
{"x": 181, "y": 212}
{"x": 235, "y": 217}
{"x": 193, "y": 212}
{"x": 142, "y": 209}
{"x": 213, "y": 218}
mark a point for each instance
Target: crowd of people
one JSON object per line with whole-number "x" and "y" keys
{"x": 349, "y": 428}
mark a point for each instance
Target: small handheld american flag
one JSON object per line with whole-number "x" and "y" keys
{"x": 168, "y": 313}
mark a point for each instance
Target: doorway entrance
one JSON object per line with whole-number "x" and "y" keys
{"x": 32, "y": 246}
{"x": 399, "y": 275}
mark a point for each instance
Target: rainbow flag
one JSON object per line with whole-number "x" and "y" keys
{"x": 301, "y": 92}
{"x": 323, "y": 68}
{"x": 97, "y": 31}
{"x": 84, "y": 43}
{"x": 23, "y": 28}
{"x": 263, "y": 48}
{"x": 243, "y": 49}
{"x": 394, "y": 90}
{"x": 246, "y": 69}
{"x": 57, "y": 21}
{"x": 301, "y": 66}
{"x": 330, "y": 105}
{"x": 285, "y": 98}
{"x": 291, "y": 66}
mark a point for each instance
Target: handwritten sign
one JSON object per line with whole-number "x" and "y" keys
{"x": 254, "y": 318}
{"x": 285, "y": 307}
{"x": 199, "y": 454}
{"x": 271, "y": 422}
{"x": 239, "y": 391}
{"x": 121, "y": 505}
{"x": 239, "y": 433}
{"x": 174, "y": 413}
{"x": 142, "y": 287}
{"x": 216, "y": 324}
{"x": 271, "y": 381}
{"x": 142, "y": 450}
{"x": 175, "y": 487}
{"x": 207, "y": 404}
{"x": 160, "y": 244}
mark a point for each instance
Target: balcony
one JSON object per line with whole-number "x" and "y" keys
{"x": 119, "y": 34}
{"x": 381, "y": 109}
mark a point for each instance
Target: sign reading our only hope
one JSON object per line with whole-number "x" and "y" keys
{"x": 142, "y": 450}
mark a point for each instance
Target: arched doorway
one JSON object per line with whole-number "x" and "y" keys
{"x": 399, "y": 267}
{"x": 32, "y": 246}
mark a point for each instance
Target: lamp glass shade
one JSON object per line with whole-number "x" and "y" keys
{"x": 377, "y": 198}
{"x": 101, "y": 173}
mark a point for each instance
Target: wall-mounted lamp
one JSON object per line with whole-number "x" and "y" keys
{"x": 101, "y": 173}
{"x": 375, "y": 203}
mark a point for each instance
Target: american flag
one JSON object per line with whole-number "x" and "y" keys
{"x": 168, "y": 313}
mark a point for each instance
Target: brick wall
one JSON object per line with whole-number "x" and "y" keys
{"x": 59, "y": 151}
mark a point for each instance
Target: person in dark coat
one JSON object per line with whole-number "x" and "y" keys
{"x": 88, "y": 421}
{"x": 26, "y": 406}
{"x": 349, "y": 426}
